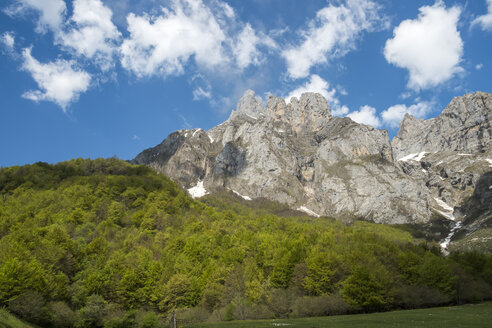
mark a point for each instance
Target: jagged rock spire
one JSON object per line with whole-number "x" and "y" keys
{"x": 309, "y": 113}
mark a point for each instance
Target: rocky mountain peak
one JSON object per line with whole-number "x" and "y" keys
{"x": 308, "y": 114}
{"x": 250, "y": 105}
{"x": 464, "y": 125}
{"x": 296, "y": 153}
{"x": 468, "y": 106}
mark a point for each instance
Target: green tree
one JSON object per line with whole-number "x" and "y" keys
{"x": 178, "y": 292}
{"x": 92, "y": 314}
{"x": 366, "y": 289}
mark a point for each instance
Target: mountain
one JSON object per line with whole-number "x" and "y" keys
{"x": 297, "y": 153}
{"x": 452, "y": 153}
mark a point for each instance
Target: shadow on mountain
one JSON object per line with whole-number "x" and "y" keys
{"x": 479, "y": 205}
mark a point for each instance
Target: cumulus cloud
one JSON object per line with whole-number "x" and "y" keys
{"x": 89, "y": 32}
{"x": 315, "y": 84}
{"x": 51, "y": 12}
{"x": 394, "y": 114}
{"x": 331, "y": 34}
{"x": 429, "y": 47}
{"x": 8, "y": 40}
{"x": 94, "y": 35}
{"x": 188, "y": 30}
{"x": 58, "y": 81}
{"x": 246, "y": 49}
{"x": 162, "y": 45}
{"x": 485, "y": 21}
{"x": 366, "y": 115}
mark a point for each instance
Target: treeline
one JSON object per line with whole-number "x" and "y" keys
{"x": 104, "y": 243}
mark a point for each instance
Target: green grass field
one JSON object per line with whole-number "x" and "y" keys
{"x": 9, "y": 321}
{"x": 477, "y": 315}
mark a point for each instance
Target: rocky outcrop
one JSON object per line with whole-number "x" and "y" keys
{"x": 297, "y": 153}
{"x": 463, "y": 126}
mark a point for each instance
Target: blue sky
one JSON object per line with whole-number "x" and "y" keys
{"x": 101, "y": 78}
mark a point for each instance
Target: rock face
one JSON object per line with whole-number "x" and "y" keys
{"x": 463, "y": 126}
{"x": 298, "y": 154}
{"x": 452, "y": 153}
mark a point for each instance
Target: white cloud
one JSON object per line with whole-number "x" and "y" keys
{"x": 89, "y": 32}
{"x": 246, "y": 50}
{"x": 315, "y": 84}
{"x": 95, "y": 35}
{"x": 51, "y": 12}
{"x": 339, "y": 110}
{"x": 341, "y": 90}
{"x": 331, "y": 34}
{"x": 393, "y": 115}
{"x": 430, "y": 47}
{"x": 366, "y": 115}
{"x": 199, "y": 94}
{"x": 211, "y": 35}
{"x": 478, "y": 67}
{"x": 8, "y": 40}
{"x": 405, "y": 95}
{"x": 485, "y": 21}
{"x": 162, "y": 45}
{"x": 59, "y": 81}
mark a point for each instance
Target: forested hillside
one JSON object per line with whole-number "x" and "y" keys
{"x": 92, "y": 243}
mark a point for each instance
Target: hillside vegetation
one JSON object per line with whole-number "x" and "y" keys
{"x": 92, "y": 243}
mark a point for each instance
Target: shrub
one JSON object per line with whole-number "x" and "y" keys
{"x": 61, "y": 315}
{"x": 281, "y": 301}
{"x": 30, "y": 306}
{"x": 92, "y": 314}
{"x": 192, "y": 315}
{"x": 310, "y": 306}
{"x": 410, "y": 297}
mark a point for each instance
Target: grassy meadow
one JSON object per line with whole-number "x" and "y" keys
{"x": 471, "y": 315}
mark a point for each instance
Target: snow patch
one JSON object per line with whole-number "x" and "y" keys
{"x": 444, "y": 205}
{"x": 461, "y": 154}
{"x": 195, "y": 131}
{"x": 243, "y": 197}
{"x": 423, "y": 170}
{"x": 308, "y": 211}
{"x": 447, "y": 240}
{"x": 448, "y": 210}
{"x": 198, "y": 190}
{"x": 413, "y": 157}
{"x": 447, "y": 215}
{"x": 489, "y": 161}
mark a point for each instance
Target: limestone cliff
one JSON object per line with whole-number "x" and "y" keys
{"x": 297, "y": 153}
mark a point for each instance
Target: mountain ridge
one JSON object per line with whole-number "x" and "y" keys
{"x": 297, "y": 153}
